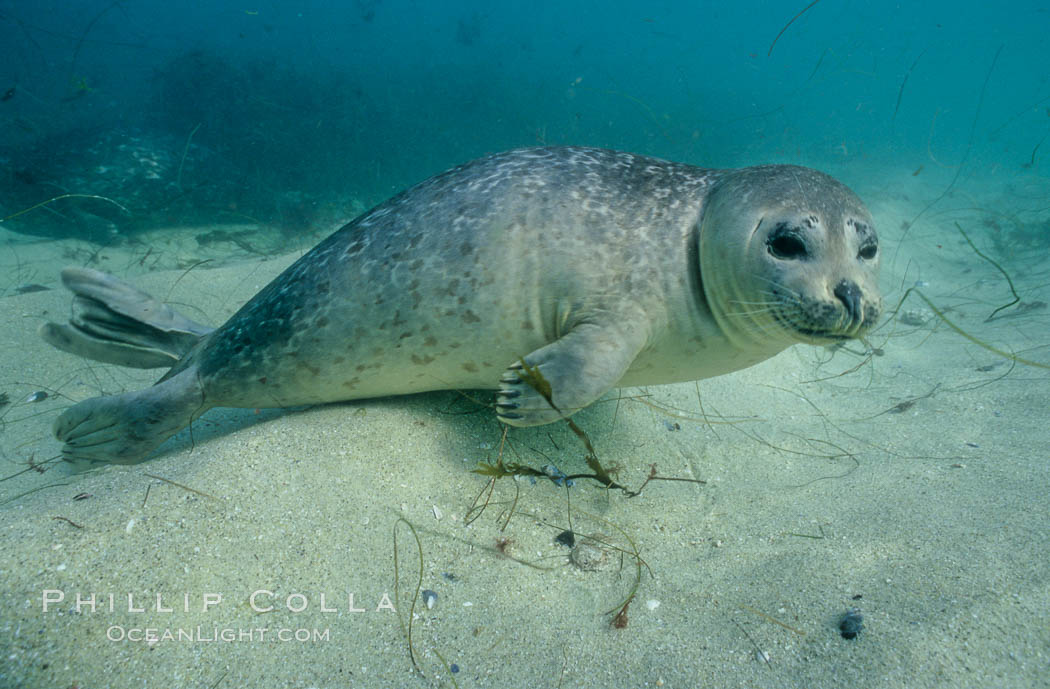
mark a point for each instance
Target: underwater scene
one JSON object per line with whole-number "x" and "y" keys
{"x": 387, "y": 343}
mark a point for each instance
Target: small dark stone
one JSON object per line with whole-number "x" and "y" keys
{"x": 852, "y": 623}
{"x": 567, "y": 538}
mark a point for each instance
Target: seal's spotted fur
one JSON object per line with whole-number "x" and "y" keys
{"x": 599, "y": 268}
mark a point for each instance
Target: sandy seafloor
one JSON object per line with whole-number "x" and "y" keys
{"x": 823, "y": 492}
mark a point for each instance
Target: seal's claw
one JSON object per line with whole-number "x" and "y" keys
{"x": 518, "y": 403}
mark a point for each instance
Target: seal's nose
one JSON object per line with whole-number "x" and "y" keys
{"x": 849, "y": 294}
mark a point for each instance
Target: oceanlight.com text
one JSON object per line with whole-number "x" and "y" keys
{"x": 202, "y": 634}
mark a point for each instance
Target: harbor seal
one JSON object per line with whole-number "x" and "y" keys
{"x": 580, "y": 269}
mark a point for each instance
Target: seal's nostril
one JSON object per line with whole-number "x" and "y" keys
{"x": 849, "y": 294}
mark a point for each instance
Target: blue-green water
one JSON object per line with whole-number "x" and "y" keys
{"x": 366, "y": 98}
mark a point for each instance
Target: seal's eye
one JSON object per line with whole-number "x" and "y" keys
{"x": 785, "y": 244}
{"x": 868, "y": 251}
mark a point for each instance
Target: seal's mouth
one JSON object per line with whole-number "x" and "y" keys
{"x": 846, "y": 313}
{"x": 824, "y": 337}
{"x": 822, "y": 324}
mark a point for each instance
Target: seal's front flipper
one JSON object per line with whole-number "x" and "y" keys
{"x": 124, "y": 429}
{"x": 115, "y": 323}
{"x": 570, "y": 373}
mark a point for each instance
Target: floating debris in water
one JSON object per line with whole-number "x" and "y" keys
{"x": 429, "y": 598}
{"x": 852, "y": 623}
{"x": 38, "y": 396}
{"x": 672, "y": 426}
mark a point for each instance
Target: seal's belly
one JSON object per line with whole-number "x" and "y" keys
{"x": 684, "y": 360}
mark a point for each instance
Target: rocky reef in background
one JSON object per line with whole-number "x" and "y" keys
{"x": 218, "y": 142}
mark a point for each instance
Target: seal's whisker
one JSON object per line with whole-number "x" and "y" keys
{"x": 780, "y": 287}
{"x": 755, "y": 327}
{"x": 749, "y": 312}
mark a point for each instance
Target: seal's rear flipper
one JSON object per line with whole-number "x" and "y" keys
{"x": 124, "y": 429}
{"x": 115, "y": 323}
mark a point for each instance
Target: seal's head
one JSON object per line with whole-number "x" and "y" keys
{"x": 804, "y": 252}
